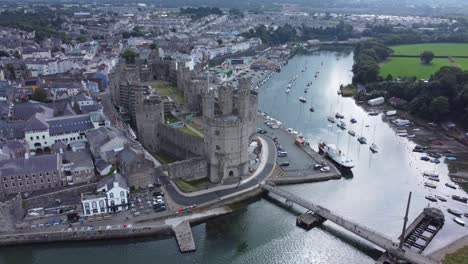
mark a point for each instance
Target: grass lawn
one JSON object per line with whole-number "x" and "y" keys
{"x": 190, "y": 186}
{"x": 179, "y": 95}
{"x": 163, "y": 91}
{"x": 439, "y": 49}
{"x": 189, "y": 131}
{"x": 412, "y": 67}
{"x": 458, "y": 257}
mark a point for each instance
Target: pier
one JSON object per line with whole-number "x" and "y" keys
{"x": 364, "y": 232}
{"x": 184, "y": 237}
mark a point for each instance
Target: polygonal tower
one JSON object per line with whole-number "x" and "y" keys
{"x": 228, "y": 134}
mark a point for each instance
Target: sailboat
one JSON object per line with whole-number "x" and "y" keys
{"x": 373, "y": 146}
{"x": 362, "y": 139}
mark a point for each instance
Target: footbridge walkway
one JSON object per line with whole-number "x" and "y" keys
{"x": 360, "y": 230}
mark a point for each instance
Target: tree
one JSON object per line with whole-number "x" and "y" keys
{"x": 153, "y": 46}
{"x": 40, "y": 95}
{"x": 389, "y": 78}
{"x": 129, "y": 56}
{"x": 220, "y": 42}
{"x": 427, "y": 57}
{"x": 439, "y": 106}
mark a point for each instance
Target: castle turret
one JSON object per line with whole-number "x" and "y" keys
{"x": 208, "y": 103}
{"x": 225, "y": 100}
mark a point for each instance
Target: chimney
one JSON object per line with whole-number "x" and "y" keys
{"x": 26, "y": 155}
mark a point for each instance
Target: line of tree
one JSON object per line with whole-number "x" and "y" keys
{"x": 444, "y": 95}
{"x": 367, "y": 56}
{"x": 287, "y": 33}
{"x": 45, "y": 22}
{"x": 200, "y": 12}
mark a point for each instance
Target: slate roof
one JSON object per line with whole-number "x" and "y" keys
{"x": 101, "y": 164}
{"x": 27, "y": 110}
{"x": 12, "y": 130}
{"x": 128, "y": 155}
{"x": 69, "y": 124}
{"x": 36, "y": 123}
{"x": 13, "y": 145}
{"x": 110, "y": 180}
{"x": 33, "y": 164}
{"x": 79, "y": 158}
{"x": 90, "y": 108}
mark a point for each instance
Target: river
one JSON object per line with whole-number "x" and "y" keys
{"x": 263, "y": 231}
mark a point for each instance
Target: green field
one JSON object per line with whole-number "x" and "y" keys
{"x": 439, "y": 49}
{"x": 412, "y": 67}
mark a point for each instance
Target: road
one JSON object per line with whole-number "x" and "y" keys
{"x": 213, "y": 196}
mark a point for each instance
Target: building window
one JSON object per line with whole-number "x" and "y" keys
{"x": 26, "y": 176}
{"x": 20, "y": 183}
{"x": 12, "y": 184}
{"x": 31, "y": 138}
{"x": 4, "y": 179}
{"x": 94, "y": 205}
{"x": 6, "y": 185}
{"x": 27, "y": 183}
{"x": 34, "y": 182}
{"x": 218, "y": 147}
{"x": 111, "y": 195}
{"x": 122, "y": 194}
{"x": 217, "y": 132}
{"x": 37, "y": 137}
{"x": 43, "y": 137}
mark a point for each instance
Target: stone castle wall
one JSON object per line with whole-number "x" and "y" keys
{"x": 188, "y": 170}
{"x": 180, "y": 144}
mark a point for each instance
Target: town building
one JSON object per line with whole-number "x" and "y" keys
{"x": 111, "y": 196}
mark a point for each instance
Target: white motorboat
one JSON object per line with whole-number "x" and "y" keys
{"x": 459, "y": 221}
{"x": 302, "y": 99}
{"x": 430, "y": 174}
{"x": 287, "y": 90}
{"x": 373, "y": 148}
{"x": 336, "y": 155}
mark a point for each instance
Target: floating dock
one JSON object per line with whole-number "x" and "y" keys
{"x": 419, "y": 234}
{"x": 309, "y": 220}
{"x": 184, "y": 237}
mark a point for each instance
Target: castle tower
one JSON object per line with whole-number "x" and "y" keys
{"x": 225, "y": 100}
{"x": 208, "y": 103}
{"x": 244, "y": 99}
{"x": 227, "y": 136}
{"x": 149, "y": 115}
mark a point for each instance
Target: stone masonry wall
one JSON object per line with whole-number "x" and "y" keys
{"x": 180, "y": 144}
{"x": 11, "y": 211}
{"x": 188, "y": 170}
{"x": 68, "y": 196}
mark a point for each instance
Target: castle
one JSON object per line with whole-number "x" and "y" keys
{"x": 229, "y": 116}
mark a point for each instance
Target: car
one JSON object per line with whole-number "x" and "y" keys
{"x": 160, "y": 209}
{"x": 318, "y": 166}
{"x": 159, "y": 201}
{"x": 325, "y": 169}
{"x": 282, "y": 153}
{"x": 262, "y": 131}
{"x": 284, "y": 164}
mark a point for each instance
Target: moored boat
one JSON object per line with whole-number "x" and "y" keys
{"x": 339, "y": 116}
{"x": 433, "y": 178}
{"x": 430, "y": 174}
{"x": 431, "y": 198}
{"x": 454, "y": 212}
{"x": 302, "y": 99}
{"x": 430, "y": 185}
{"x": 336, "y": 155}
{"x": 353, "y": 120}
{"x": 331, "y": 119}
{"x": 312, "y": 109}
{"x": 362, "y": 140}
{"x": 373, "y": 148}
{"x": 342, "y": 125}
{"x": 459, "y": 221}
{"x": 440, "y": 198}
{"x": 352, "y": 133}
{"x": 450, "y": 185}
{"x": 459, "y": 198}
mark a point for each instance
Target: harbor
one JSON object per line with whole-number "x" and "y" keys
{"x": 265, "y": 230}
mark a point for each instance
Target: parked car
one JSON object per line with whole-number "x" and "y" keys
{"x": 284, "y": 164}
{"x": 282, "y": 153}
